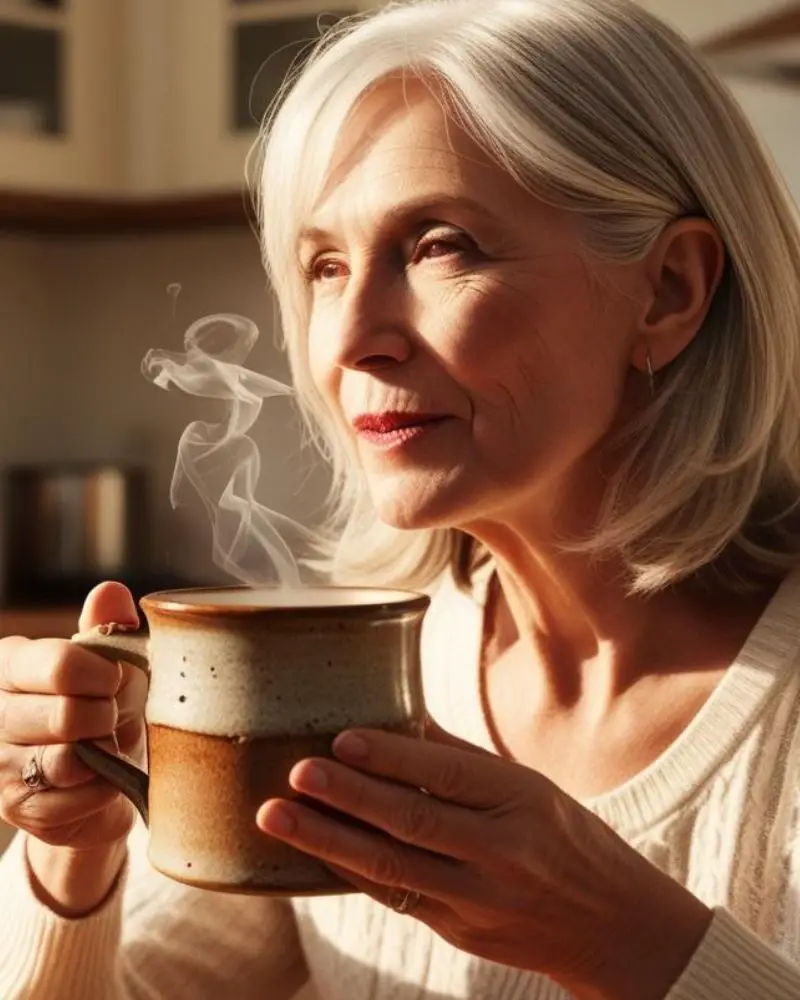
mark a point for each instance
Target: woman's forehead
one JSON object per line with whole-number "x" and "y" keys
{"x": 399, "y": 162}
{"x": 394, "y": 210}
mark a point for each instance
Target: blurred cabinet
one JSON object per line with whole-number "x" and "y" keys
{"x": 144, "y": 98}
{"x": 59, "y": 91}
{"x": 232, "y": 61}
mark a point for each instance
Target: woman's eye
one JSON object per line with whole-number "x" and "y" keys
{"x": 325, "y": 269}
{"x": 438, "y": 247}
{"x": 322, "y": 270}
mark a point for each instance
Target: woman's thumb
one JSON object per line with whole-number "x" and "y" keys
{"x": 108, "y": 603}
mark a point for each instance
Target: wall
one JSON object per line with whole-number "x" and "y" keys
{"x": 28, "y": 338}
{"x": 775, "y": 114}
{"x": 709, "y": 18}
{"x": 78, "y": 316}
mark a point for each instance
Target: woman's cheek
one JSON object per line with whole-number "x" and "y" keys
{"x": 450, "y": 318}
{"x": 480, "y": 328}
{"x": 322, "y": 351}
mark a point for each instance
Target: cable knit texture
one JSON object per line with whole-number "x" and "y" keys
{"x": 719, "y": 811}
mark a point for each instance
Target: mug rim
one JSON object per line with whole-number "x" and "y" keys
{"x": 169, "y": 602}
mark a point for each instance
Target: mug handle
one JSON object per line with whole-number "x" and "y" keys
{"x": 115, "y": 643}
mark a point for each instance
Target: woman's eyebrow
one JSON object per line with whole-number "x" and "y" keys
{"x": 414, "y": 208}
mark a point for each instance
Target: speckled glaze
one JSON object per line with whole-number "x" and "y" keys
{"x": 243, "y": 685}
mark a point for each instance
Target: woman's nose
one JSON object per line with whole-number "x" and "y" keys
{"x": 374, "y": 331}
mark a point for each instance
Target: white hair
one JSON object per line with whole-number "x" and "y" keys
{"x": 598, "y": 107}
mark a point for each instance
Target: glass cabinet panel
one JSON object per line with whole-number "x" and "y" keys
{"x": 32, "y": 83}
{"x": 263, "y": 51}
{"x": 31, "y": 68}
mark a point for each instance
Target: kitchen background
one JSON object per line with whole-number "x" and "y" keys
{"x": 124, "y": 130}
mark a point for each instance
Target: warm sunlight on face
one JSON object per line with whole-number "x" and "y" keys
{"x": 477, "y": 353}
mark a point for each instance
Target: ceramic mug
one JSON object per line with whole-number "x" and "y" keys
{"x": 244, "y": 683}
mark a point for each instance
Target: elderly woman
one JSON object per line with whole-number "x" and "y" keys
{"x": 540, "y": 292}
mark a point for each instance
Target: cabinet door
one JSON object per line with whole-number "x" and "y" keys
{"x": 232, "y": 61}
{"x": 59, "y": 96}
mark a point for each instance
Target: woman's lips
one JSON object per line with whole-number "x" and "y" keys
{"x": 392, "y": 430}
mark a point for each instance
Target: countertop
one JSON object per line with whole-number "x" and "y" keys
{"x": 40, "y": 623}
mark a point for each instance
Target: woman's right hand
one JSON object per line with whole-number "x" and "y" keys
{"x": 53, "y": 692}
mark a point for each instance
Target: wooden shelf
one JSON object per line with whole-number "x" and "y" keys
{"x": 39, "y": 623}
{"x": 777, "y": 26}
{"x": 53, "y": 215}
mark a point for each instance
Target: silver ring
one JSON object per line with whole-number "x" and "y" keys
{"x": 33, "y": 777}
{"x": 404, "y": 901}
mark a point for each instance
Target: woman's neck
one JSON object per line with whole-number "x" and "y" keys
{"x": 590, "y": 640}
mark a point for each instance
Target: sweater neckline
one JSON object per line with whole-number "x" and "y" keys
{"x": 711, "y": 738}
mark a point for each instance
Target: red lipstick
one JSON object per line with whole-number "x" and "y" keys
{"x": 392, "y": 429}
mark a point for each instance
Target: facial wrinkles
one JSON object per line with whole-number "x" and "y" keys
{"x": 445, "y": 315}
{"x": 517, "y": 305}
{"x": 450, "y": 319}
{"x": 427, "y": 307}
{"x": 376, "y": 168}
{"x": 366, "y": 218}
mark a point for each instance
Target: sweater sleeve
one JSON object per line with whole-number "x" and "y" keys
{"x": 732, "y": 963}
{"x": 152, "y": 938}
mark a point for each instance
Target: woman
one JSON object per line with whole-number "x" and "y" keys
{"x": 539, "y": 287}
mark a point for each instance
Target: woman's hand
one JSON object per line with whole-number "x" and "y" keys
{"x": 52, "y": 693}
{"x": 506, "y": 865}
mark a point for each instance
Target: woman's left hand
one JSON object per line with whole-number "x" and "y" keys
{"x": 496, "y": 859}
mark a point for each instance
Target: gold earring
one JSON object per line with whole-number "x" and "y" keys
{"x": 651, "y": 375}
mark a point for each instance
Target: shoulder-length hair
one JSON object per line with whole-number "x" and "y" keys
{"x": 598, "y": 107}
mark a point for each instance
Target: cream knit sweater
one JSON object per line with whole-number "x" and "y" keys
{"x": 719, "y": 811}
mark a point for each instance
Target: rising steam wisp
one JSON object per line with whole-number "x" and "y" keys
{"x": 219, "y": 460}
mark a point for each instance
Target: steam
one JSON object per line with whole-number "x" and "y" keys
{"x": 218, "y": 460}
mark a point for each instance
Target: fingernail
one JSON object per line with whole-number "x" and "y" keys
{"x": 279, "y": 820}
{"x": 350, "y": 746}
{"x": 313, "y": 779}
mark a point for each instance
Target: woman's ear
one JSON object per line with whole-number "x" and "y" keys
{"x": 684, "y": 269}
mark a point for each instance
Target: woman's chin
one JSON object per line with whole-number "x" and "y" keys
{"x": 417, "y": 511}
{"x": 403, "y": 518}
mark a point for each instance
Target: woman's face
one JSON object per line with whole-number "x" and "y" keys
{"x": 474, "y": 351}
